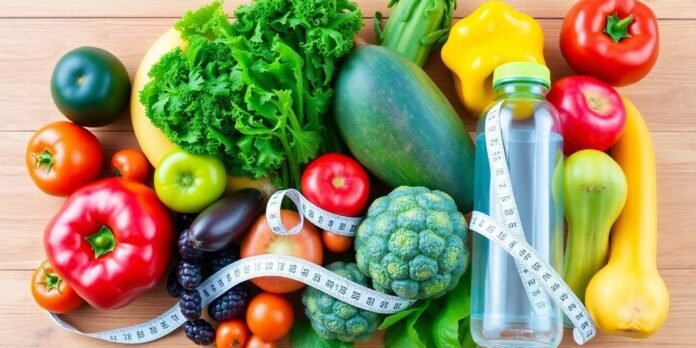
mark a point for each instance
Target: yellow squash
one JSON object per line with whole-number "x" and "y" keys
{"x": 152, "y": 141}
{"x": 492, "y": 35}
{"x": 628, "y": 297}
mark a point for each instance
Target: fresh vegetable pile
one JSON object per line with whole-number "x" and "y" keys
{"x": 274, "y": 94}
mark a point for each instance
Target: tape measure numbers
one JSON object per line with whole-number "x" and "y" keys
{"x": 534, "y": 271}
{"x": 243, "y": 270}
{"x": 345, "y": 226}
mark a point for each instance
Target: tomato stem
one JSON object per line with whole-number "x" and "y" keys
{"x": 52, "y": 281}
{"x": 44, "y": 159}
{"x": 617, "y": 28}
{"x": 102, "y": 242}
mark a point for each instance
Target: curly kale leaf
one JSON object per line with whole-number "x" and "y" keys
{"x": 254, "y": 92}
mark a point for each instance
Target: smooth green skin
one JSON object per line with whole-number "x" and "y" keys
{"x": 401, "y": 127}
{"x": 189, "y": 183}
{"x": 594, "y": 192}
{"x": 415, "y": 26}
{"x": 90, "y": 86}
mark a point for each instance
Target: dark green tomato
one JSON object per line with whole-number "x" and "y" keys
{"x": 90, "y": 86}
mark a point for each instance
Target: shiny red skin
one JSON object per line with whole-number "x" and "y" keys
{"x": 143, "y": 232}
{"x": 591, "y": 113}
{"x": 347, "y": 199}
{"x": 589, "y": 51}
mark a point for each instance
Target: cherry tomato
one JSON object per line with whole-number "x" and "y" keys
{"x": 270, "y": 316}
{"x": 336, "y": 242}
{"x": 51, "y": 292}
{"x": 261, "y": 240}
{"x": 130, "y": 164}
{"x": 231, "y": 334}
{"x": 256, "y": 342}
{"x": 337, "y": 183}
{"x": 62, "y": 157}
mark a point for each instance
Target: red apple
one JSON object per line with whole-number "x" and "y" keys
{"x": 591, "y": 113}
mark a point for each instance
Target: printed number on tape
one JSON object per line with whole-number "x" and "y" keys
{"x": 345, "y": 226}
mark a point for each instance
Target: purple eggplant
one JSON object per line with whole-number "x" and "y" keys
{"x": 226, "y": 220}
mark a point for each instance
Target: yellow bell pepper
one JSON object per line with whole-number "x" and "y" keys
{"x": 492, "y": 35}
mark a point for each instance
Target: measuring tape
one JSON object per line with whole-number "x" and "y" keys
{"x": 511, "y": 238}
{"x": 345, "y": 226}
{"x": 252, "y": 267}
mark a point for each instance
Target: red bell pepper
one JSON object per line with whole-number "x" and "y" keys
{"x": 616, "y": 41}
{"x": 111, "y": 241}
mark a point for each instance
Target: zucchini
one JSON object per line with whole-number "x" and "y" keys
{"x": 401, "y": 127}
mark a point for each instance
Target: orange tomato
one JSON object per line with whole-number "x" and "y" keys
{"x": 51, "y": 292}
{"x": 335, "y": 242}
{"x": 261, "y": 240}
{"x": 130, "y": 164}
{"x": 62, "y": 157}
{"x": 270, "y": 316}
{"x": 231, "y": 334}
{"x": 256, "y": 342}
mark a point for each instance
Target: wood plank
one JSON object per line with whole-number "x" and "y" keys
{"x": 176, "y": 8}
{"x": 38, "y": 44}
{"x": 38, "y": 331}
{"x": 27, "y": 210}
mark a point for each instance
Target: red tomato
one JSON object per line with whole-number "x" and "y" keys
{"x": 336, "y": 242}
{"x": 591, "y": 113}
{"x": 231, "y": 334}
{"x": 337, "y": 183}
{"x": 51, "y": 292}
{"x": 270, "y": 316}
{"x": 261, "y": 240}
{"x": 130, "y": 164}
{"x": 62, "y": 157}
{"x": 256, "y": 342}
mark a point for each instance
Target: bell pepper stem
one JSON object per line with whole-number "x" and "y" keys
{"x": 617, "y": 28}
{"x": 52, "y": 281}
{"x": 44, "y": 159}
{"x": 102, "y": 242}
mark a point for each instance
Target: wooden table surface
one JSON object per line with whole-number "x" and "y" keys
{"x": 35, "y": 33}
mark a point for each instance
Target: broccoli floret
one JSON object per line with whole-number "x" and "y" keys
{"x": 412, "y": 243}
{"x": 335, "y": 319}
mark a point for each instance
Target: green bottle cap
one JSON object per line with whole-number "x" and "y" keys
{"x": 521, "y": 72}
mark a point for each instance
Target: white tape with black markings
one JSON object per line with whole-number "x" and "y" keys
{"x": 345, "y": 226}
{"x": 511, "y": 238}
{"x": 252, "y": 267}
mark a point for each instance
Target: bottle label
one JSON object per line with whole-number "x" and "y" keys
{"x": 542, "y": 283}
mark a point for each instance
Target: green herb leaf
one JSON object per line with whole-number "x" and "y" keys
{"x": 445, "y": 327}
{"x": 303, "y": 335}
{"x": 398, "y": 316}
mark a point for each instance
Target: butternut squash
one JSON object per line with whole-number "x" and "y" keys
{"x": 628, "y": 297}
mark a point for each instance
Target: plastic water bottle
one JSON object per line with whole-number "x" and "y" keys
{"x": 502, "y": 314}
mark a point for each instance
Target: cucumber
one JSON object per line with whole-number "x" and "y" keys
{"x": 401, "y": 127}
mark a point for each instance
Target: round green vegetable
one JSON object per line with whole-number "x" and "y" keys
{"x": 412, "y": 243}
{"x": 335, "y": 319}
{"x": 189, "y": 183}
{"x": 90, "y": 86}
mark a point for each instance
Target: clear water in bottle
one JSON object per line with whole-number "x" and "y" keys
{"x": 502, "y": 314}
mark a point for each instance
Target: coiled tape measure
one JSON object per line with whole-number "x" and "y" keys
{"x": 534, "y": 270}
{"x": 510, "y": 237}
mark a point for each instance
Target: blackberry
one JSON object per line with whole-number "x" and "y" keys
{"x": 218, "y": 260}
{"x": 189, "y": 274}
{"x": 191, "y": 304}
{"x": 183, "y": 221}
{"x": 173, "y": 286}
{"x": 231, "y": 304}
{"x": 186, "y": 250}
{"x": 200, "y": 332}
